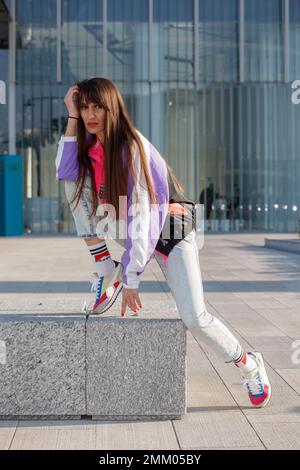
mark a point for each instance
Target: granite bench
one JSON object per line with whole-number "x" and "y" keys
{"x": 77, "y": 365}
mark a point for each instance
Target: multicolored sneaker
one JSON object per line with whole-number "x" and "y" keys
{"x": 107, "y": 290}
{"x": 257, "y": 382}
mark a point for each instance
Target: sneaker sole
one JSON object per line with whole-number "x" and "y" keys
{"x": 262, "y": 365}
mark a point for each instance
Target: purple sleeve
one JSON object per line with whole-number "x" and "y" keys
{"x": 66, "y": 159}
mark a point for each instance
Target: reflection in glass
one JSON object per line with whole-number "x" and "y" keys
{"x": 294, "y": 39}
{"x": 233, "y": 145}
{"x": 127, "y": 40}
{"x": 172, "y": 41}
{"x": 218, "y": 40}
{"x": 263, "y": 40}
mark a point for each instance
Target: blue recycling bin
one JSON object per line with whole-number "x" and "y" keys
{"x": 11, "y": 195}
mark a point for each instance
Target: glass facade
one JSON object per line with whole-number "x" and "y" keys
{"x": 207, "y": 81}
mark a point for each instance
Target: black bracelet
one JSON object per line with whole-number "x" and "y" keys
{"x": 72, "y": 117}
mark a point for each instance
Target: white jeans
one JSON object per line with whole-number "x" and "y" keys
{"x": 183, "y": 275}
{"x": 184, "y": 278}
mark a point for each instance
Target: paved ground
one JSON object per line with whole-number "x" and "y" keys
{"x": 255, "y": 290}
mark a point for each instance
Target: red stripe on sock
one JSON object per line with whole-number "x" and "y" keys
{"x": 242, "y": 361}
{"x": 102, "y": 255}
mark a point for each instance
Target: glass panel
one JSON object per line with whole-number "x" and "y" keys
{"x": 7, "y": 4}
{"x": 39, "y": 125}
{"x": 172, "y": 41}
{"x": 36, "y": 12}
{"x": 37, "y": 112}
{"x": 173, "y": 129}
{"x": 36, "y": 41}
{"x": 82, "y": 40}
{"x": 127, "y": 40}
{"x": 263, "y": 40}
{"x": 172, "y": 10}
{"x": 249, "y": 168}
{"x": 294, "y": 39}
{"x": 127, "y": 11}
{"x": 218, "y": 40}
{"x": 137, "y": 101}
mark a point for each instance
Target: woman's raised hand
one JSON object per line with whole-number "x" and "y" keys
{"x": 71, "y": 101}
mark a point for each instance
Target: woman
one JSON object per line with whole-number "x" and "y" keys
{"x": 104, "y": 159}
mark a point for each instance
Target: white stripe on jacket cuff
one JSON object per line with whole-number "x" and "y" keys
{"x": 134, "y": 285}
{"x": 69, "y": 138}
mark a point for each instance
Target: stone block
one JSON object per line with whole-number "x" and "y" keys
{"x": 43, "y": 369}
{"x": 136, "y": 367}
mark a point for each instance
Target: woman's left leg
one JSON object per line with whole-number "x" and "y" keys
{"x": 184, "y": 278}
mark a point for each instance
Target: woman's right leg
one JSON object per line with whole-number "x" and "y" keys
{"x": 86, "y": 226}
{"x": 108, "y": 282}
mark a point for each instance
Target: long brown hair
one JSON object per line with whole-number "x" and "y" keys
{"x": 120, "y": 135}
{"x": 120, "y": 139}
